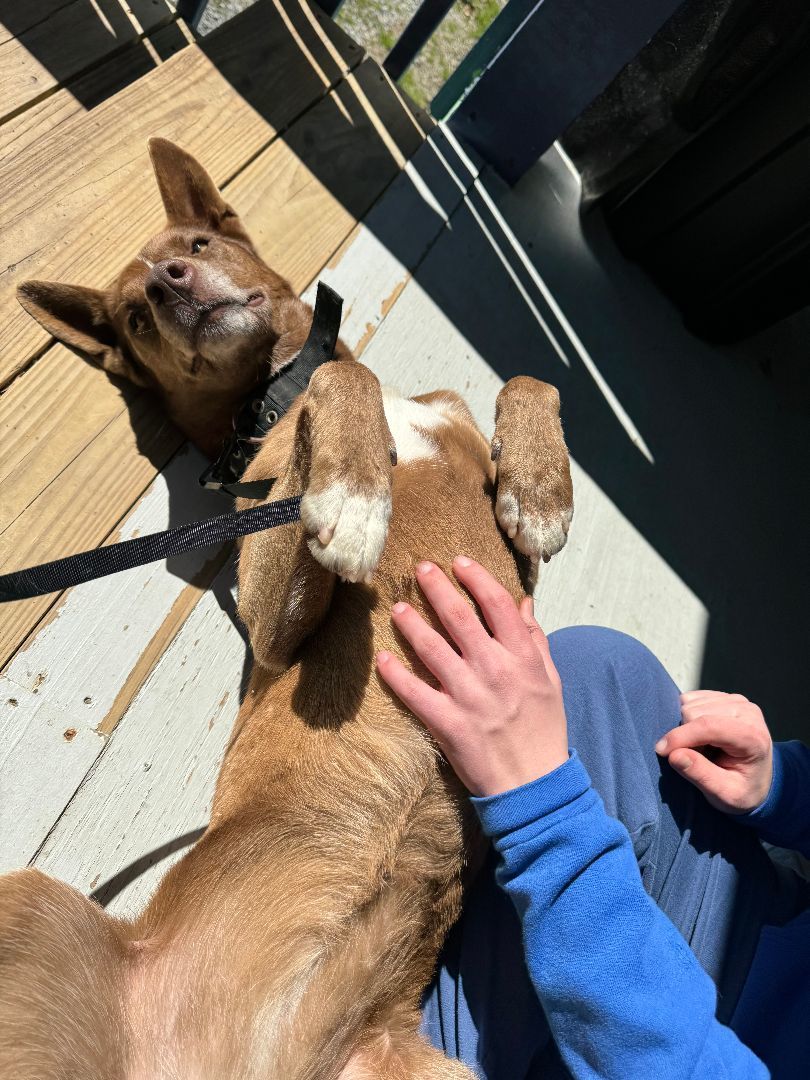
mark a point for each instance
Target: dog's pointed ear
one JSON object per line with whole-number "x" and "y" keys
{"x": 190, "y": 196}
{"x": 80, "y": 317}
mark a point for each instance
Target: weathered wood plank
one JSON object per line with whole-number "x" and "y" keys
{"x": 81, "y": 507}
{"x": 378, "y": 258}
{"x": 52, "y": 659}
{"x": 55, "y": 746}
{"x": 302, "y": 197}
{"x": 22, "y": 17}
{"x": 42, "y": 118}
{"x": 47, "y": 417}
{"x": 71, "y": 39}
{"x": 75, "y": 204}
{"x": 83, "y": 651}
{"x": 73, "y": 671}
{"x": 160, "y": 766}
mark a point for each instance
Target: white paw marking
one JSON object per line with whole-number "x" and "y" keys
{"x": 409, "y": 422}
{"x": 534, "y": 535}
{"x": 348, "y": 530}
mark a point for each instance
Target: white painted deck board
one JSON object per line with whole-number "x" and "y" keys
{"x": 156, "y": 777}
{"x": 395, "y": 236}
{"x": 66, "y": 680}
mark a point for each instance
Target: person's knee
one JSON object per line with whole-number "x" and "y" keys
{"x": 619, "y": 700}
{"x": 609, "y": 663}
{"x": 587, "y": 647}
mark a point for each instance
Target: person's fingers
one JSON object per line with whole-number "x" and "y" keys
{"x": 738, "y": 739}
{"x": 498, "y": 607}
{"x": 526, "y": 611}
{"x": 709, "y": 778}
{"x": 454, "y": 612}
{"x": 431, "y": 706}
{"x": 715, "y": 698}
{"x": 727, "y": 710}
{"x": 431, "y": 648}
{"x": 699, "y": 695}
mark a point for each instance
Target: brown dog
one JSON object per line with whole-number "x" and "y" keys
{"x": 294, "y": 940}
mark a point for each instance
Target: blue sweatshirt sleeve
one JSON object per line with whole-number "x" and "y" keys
{"x": 624, "y": 996}
{"x": 784, "y": 818}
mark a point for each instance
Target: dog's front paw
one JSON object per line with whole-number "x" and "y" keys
{"x": 534, "y": 518}
{"x": 347, "y": 529}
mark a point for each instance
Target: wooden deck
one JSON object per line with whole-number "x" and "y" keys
{"x": 117, "y": 697}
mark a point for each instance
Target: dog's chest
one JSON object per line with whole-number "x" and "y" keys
{"x": 411, "y": 424}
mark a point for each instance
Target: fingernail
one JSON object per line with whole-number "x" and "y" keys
{"x": 383, "y": 657}
{"x": 661, "y": 745}
{"x": 681, "y": 761}
{"x": 399, "y": 608}
{"x": 424, "y": 567}
{"x": 462, "y": 560}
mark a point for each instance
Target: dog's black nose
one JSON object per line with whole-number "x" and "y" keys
{"x": 169, "y": 279}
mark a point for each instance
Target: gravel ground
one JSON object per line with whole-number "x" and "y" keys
{"x": 376, "y": 25}
{"x": 218, "y": 11}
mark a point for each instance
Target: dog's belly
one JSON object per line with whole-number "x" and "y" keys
{"x": 299, "y": 921}
{"x": 411, "y": 423}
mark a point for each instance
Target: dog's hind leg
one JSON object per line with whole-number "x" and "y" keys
{"x": 63, "y": 979}
{"x": 338, "y": 453}
{"x": 402, "y": 1057}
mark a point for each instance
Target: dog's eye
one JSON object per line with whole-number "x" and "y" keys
{"x": 137, "y": 321}
{"x": 198, "y": 244}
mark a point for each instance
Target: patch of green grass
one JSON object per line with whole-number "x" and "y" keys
{"x": 414, "y": 91}
{"x": 377, "y": 24}
{"x": 484, "y": 13}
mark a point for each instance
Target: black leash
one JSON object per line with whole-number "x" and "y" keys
{"x": 87, "y": 565}
{"x": 263, "y": 409}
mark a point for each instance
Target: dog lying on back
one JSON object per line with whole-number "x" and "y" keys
{"x": 294, "y": 940}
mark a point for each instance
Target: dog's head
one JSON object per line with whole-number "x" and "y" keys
{"x": 196, "y": 316}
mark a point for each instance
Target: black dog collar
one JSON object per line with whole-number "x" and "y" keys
{"x": 270, "y": 400}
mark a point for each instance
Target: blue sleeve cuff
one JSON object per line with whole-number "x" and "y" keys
{"x": 762, "y": 814}
{"x": 515, "y": 809}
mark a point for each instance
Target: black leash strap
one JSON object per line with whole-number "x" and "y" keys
{"x": 271, "y": 400}
{"x": 77, "y": 569}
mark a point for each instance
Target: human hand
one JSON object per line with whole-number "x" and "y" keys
{"x": 498, "y": 716}
{"x": 736, "y": 778}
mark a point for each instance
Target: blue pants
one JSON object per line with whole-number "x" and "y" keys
{"x": 711, "y": 877}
